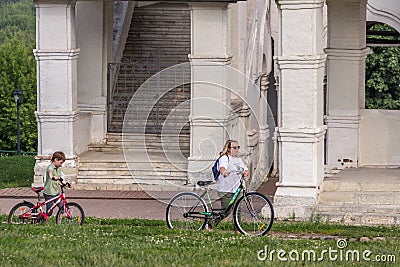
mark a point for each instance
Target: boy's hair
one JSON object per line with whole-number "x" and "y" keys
{"x": 58, "y": 155}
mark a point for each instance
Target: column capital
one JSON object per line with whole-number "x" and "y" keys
{"x": 207, "y": 122}
{"x": 56, "y": 2}
{"x": 357, "y": 2}
{"x": 300, "y": 4}
{"x": 56, "y": 116}
{"x": 301, "y": 62}
{"x": 199, "y": 59}
{"x": 347, "y": 54}
{"x": 343, "y": 121}
{"x": 56, "y": 54}
{"x": 208, "y": 5}
{"x": 301, "y": 135}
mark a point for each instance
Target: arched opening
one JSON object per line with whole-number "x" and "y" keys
{"x": 382, "y": 74}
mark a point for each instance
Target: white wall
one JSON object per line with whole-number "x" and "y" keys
{"x": 93, "y": 24}
{"x": 82, "y": 132}
{"x": 90, "y": 41}
{"x": 379, "y": 138}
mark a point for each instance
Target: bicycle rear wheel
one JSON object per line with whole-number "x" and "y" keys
{"x": 186, "y": 211}
{"x": 21, "y": 214}
{"x": 253, "y": 214}
{"x": 73, "y": 214}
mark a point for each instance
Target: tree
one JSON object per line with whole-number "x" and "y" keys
{"x": 382, "y": 86}
{"x": 17, "y": 68}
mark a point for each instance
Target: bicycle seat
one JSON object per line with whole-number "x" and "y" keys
{"x": 37, "y": 189}
{"x": 204, "y": 183}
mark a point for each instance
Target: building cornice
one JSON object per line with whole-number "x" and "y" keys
{"x": 347, "y": 54}
{"x": 301, "y": 135}
{"x": 199, "y": 59}
{"x": 300, "y": 4}
{"x": 56, "y": 116}
{"x": 56, "y": 54}
{"x": 301, "y": 62}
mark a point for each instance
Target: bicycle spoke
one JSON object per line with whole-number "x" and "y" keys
{"x": 72, "y": 214}
{"x": 184, "y": 212}
{"x": 253, "y": 214}
{"x": 21, "y": 214}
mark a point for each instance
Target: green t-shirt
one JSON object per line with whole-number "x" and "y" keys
{"x": 52, "y": 187}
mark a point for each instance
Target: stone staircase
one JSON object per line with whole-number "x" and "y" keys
{"x": 143, "y": 162}
{"x": 361, "y": 196}
{"x": 151, "y": 143}
{"x": 147, "y": 144}
{"x": 159, "y": 37}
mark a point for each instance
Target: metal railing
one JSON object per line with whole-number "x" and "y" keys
{"x": 162, "y": 88}
{"x": 7, "y": 153}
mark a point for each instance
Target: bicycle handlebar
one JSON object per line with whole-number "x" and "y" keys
{"x": 64, "y": 184}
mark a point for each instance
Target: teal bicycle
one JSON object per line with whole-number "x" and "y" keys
{"x": 253, "y": 213}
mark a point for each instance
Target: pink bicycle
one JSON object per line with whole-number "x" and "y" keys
{"x": 28, "y": 213}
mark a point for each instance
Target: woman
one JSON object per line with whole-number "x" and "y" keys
{"x": 229, "y": 179}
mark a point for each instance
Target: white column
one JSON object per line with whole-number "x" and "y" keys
{"x": 300, "y": 130}
{"x": 346, "y": 80}
{"x": 209, "y": 101}
{"x": 56, "y": 55}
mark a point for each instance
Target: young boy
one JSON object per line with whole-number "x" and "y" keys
{"x": 53, "y": 175}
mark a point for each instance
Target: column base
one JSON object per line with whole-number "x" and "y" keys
{"x": 295, "y": 203}
{"x": 342, "y": 141}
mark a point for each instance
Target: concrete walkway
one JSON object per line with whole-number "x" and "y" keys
{"x": 111, "y": 203}
{"x": 101, "y": 204}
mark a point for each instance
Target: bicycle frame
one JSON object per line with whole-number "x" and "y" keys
{"x": 253, "y": 212}
{"x": 223, "y": 213}
{"x": 30, "y": 215}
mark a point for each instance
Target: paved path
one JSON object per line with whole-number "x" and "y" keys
{"x": 110, "y": 203}
{"x": 102, "y": 204}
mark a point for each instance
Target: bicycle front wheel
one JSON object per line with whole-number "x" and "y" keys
{"x": 253, "y": 214}
{"x": 21, "y": 214}
{"x": 72, "y": 214}
{"x": 186, "y": 211}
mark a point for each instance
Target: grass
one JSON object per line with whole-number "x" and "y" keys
{"x": 16, "y": 171}
{"x": 134, "y": 242}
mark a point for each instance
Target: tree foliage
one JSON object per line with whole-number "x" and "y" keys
{"x": 17, "y": 68}
{"x": 382, "y": 86}
{"x": 17, "y": 17}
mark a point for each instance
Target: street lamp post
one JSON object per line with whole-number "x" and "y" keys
{"x": 18, "y": 100}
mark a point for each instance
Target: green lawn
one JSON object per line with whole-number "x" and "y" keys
{"x": 130, "y": 242}
{"x": 16, "y": 171}
{"x": 133, "y": 242}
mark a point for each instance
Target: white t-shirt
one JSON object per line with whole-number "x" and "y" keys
{"x": 231, "y": 182}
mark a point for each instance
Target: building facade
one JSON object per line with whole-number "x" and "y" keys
{"x": 285, "y": 78}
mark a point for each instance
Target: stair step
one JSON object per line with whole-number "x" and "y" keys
{"x": 168, "y": 187}
{"x": 148, "y": 180}
{"x": 360, "y": 197}
{"x": 125, "y": 172}
{"x": 359, "y": 208}
{"x": 349, "y": 186}
{"x": 360, "y": 218}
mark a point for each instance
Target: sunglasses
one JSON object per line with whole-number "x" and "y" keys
{"x": 235, "y": 147}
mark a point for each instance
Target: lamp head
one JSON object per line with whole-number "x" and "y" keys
{"x": 17, "y": 95}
